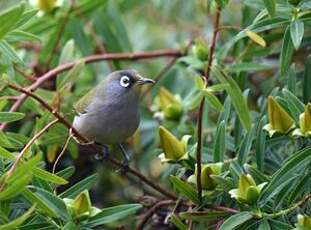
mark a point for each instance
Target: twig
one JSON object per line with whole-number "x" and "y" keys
{"x": 59, "y": 34}
{"x": 91, "y": 59}
{"x": 290, "y": 209}
{"x": 152, "y": 210}
{"x": 25, "y": 149}
{"x": 93, "y": 146}
{"x": 201, "y": 108}
{"x": 61, "y": 153}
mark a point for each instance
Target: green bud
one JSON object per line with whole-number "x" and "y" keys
{"x": 46, "y": 5}
{"x": 169, "y": 104}
{"x": 279, "y": 120}
{"x": 200, "y": 50}
{"x": 207, "y": 182}
{"x": 81, "y": 205}
{"x": 303, "y": 222}
{"x": 247, "y": 191}
{"x": 174, "y": 149}
{"x": 304, "y": 122}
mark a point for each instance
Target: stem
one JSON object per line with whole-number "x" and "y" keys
{"x": 62, "y": 120}
{"x": 201, "y": 108}
{"x": 288, "y": 210}
{"x": 91, "y": 59}
{"x": 152, "y": 210}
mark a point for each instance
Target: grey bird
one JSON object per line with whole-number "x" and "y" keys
{"x": 109, "y": 113}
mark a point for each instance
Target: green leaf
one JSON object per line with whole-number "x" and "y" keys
{"x": 18, "y": 35}
{"x": 8, "y": 52}
{"x": 295, "y": 106}
{"x": 296, "y": 32}
{"x": 203, "y": 216}
{"x": 16, "y": 188}
{"x": 212, "y": 100}
{"x": 79, "y": 187}
{"x": 185, "y": 189}
{"x": 287, "y": 52}
{"x": 6, "y": 154}
{"x": 295, "y": 163}
{"x": 18, "y": 221}
{"x": 307, "y": 81}
{"x": 56, "y": 204}
{"x": 301, "y": 186}
{"x": 220, "y": 142}
{"x": 10, "y": 116}
{"x": 47, "y": 176}
{"x": 67, "y": 172}
{"x": 264, "y": 225}
{"x": 234, "y": 221}
{"x": 236, "y": 96}
{"x": 71, "y": 75}
{"x": 40, "y": 204}
{"x": 112, "y": 214}
{"x": 270, "y": 6}
{"x": 177, "y": 222}
{"x": 9, "y": 18}
{"x": 245, "y": 147}
{"x": 4, "y": 141}
{"x": 249, "y": 67}
{"x": 260, "y": 144}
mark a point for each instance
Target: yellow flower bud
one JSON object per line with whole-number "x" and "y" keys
{"x": 256, "y": 38}
{"x": 247, "y": 191}
{"x": 305, "y": 121}
{"x": 279, "y": 120}
{"x": 174, "y": 150}
{"x": 169, "y": 104}
{"x": 304, "y": 221}
{"x": 207, "y": 181}
{"x": 200, "y": 50}
{"x": 46, "y": 5}
{"x": 81, "y": 205}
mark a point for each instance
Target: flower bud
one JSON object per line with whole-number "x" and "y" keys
{"x": 207, "y": 182}
{"x": 247, "y": 191}
{"x": 81, "y": 205}
{"x": 200, "y": 50}
{"x": 304, "y": 122}
{"x": 169, "y": 104}
{"x": 46, "y": 5}
{"x": 303, "y": 222}
{"x": 279, "y": 120}
{"x": 174, "y": 149}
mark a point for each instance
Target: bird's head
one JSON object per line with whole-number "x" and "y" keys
{"x": 127, "y": 81}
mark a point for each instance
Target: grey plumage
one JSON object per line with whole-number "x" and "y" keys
{"x": 109, "y": 114}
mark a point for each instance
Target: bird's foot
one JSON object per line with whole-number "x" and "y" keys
{"x": 124, "y": 167}
{"x": 104, "y": 155}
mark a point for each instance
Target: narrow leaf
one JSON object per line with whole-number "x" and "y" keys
{"x": 18, "y": 221}
{"x": 270, "y": 6}
{"x": 220, "y": 143}
{"x": 307, "y": 81}
{"x": 287, "y": 52}
{"x": 236, "y": 220}
{"x": 185, "y": 189}
{"x": 296, "y": 32}
{"x": 10, "y": 116}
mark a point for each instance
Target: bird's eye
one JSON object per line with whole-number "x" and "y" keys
{"x": 125, "y": 81}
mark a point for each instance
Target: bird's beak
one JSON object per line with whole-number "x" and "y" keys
{"x": 143, "y": 81}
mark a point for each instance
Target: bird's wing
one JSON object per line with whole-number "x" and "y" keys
{"x": 81, "y": 106}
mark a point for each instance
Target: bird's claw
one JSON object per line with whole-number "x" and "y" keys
{"x": 104, "y": 155}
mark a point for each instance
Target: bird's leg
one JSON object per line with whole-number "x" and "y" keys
{"x": 126, "y": 159}
{"x": 104, "y": 154}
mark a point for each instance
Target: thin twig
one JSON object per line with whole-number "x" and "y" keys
{"x": 25, "y": 149}
{"x": 152, "y": 210}
{"x": 61, "y": 153}
{"x": 91, "y": 59}
{"x": 93, "y": 146}
{"x": 201, "y": 108}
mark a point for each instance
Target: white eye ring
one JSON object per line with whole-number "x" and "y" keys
{"x": 125, "y": 81}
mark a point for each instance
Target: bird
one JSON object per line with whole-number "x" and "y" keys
{"x": 109, "y": 113}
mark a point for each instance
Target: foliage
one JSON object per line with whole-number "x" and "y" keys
{"x": 224, "y": 140}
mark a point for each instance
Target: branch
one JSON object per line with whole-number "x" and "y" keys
{"x": 91, "y": 59}
{"x": 152, "y": 210}
{"x": 116, "y": 163}
{"x": 201, "y": 108}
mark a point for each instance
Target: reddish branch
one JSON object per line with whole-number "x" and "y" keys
{"x": 93, "y": 146}
{"x": 201, "y": 108}
{"x": 91, "y": 59}
{"x": 153, "y": 210}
